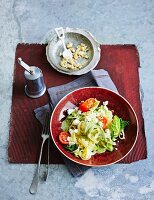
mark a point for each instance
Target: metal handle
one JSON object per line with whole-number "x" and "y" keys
{"x": 60, "y": 32}
{"x": 46, "y": 171}
{"x": 61, "y": 35}
{"x": 25, "y": 66}
{"x": 35, "y": 181}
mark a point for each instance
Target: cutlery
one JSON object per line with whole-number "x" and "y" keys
{"x": 47, "y": 166}
{"x": 46, "y": 172}
{"x": 66, "y": 53}
{"x": 45, "y": 136}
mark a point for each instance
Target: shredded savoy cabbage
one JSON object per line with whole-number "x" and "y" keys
{"x": 87, "y": 135}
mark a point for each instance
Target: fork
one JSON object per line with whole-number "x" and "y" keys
{"x": 45, "y": 136}
{"x": 46, "y": 171}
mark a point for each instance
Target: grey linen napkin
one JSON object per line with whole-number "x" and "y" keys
{"x": 99, "y": 78}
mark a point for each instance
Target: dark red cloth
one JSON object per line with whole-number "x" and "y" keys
{"x": 122, "y": 64}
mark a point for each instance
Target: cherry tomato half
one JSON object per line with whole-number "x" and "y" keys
{"x": 63, "y": 137}
{"x": 87, "y": 105}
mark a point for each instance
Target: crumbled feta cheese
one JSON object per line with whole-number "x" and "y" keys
{"x": 107, "y": 133}
{"x": 76, "y": 122}
{"x": 79, "y": 112}
{"x": 105, "y": 103}
{"x": 69, "y": 139}
{"x": 88, "y": 118}
{"x": 69, "y": 111}
{"x": 73, "y": 131}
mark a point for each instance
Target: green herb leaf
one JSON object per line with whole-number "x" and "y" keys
{"x": 71, "y": 148}
{"x": 123, "y": 124}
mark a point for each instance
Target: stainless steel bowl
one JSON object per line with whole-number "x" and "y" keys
{"x": 76, "y": 36}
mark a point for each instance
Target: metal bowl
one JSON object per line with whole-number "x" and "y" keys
{"x": 75, "y": 36}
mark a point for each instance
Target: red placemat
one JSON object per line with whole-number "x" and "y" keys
{"x": 121, "y": 62}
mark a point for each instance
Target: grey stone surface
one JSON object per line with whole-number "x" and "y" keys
{"x": 112, "y": 22}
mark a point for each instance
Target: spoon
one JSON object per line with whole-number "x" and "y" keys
{"x": 25, "y": 66}
{"x": 66, "y": 53}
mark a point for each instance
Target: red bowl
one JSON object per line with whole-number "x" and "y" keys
{"x": 121, "y": 107}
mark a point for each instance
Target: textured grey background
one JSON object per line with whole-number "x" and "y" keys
{"x": 112, "y": 22}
